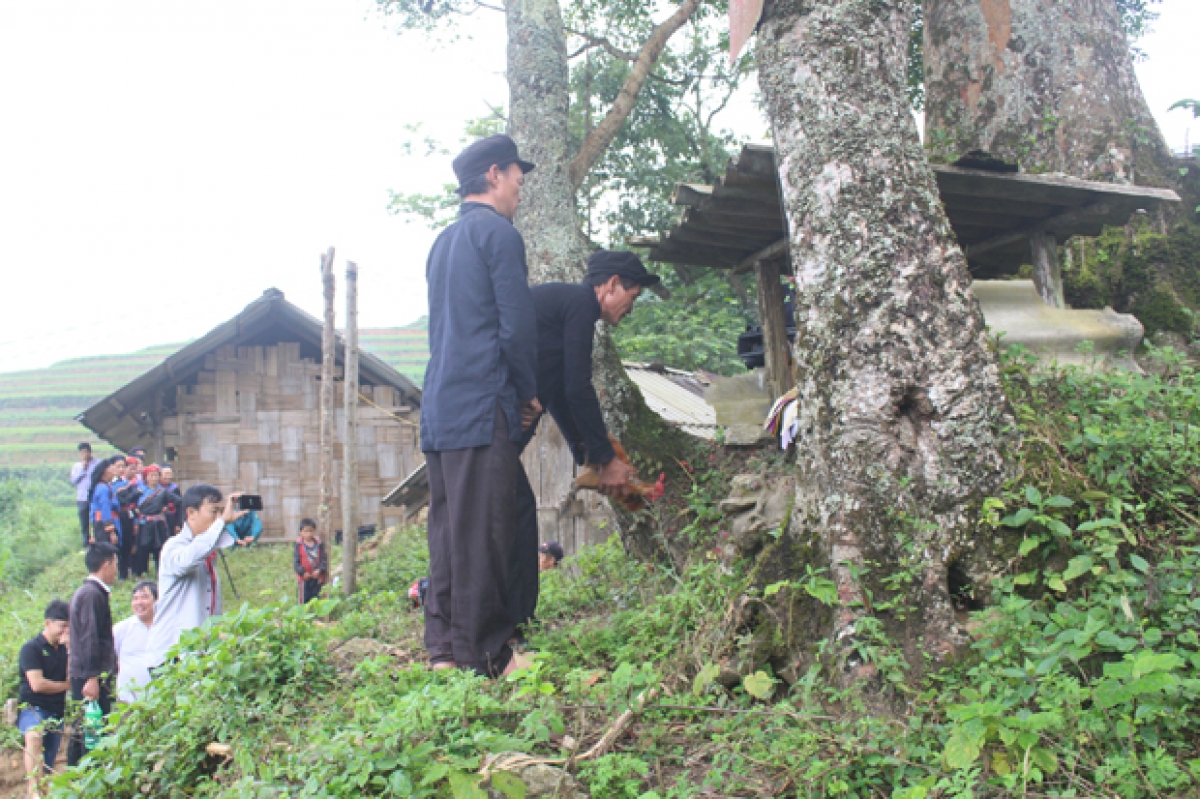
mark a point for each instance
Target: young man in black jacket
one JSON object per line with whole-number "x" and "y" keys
{"x": 93, "y": 654}
{"x": 566, "y": 325}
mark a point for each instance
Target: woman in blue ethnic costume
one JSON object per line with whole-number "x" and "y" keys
{"x": 154, "y": 527}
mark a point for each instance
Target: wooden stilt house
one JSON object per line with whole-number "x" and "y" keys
{"x": 239, "y": 409}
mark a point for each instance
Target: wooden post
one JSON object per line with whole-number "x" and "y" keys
{"x": 328, "y": 345}
{"x": 156, "y": 418}
{"x": 774, "y": 326}
{"x": 1047, "y": 276}
{"x": 350, "y": 443}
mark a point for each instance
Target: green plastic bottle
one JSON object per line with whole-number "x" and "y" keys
{"x": 93, "y": 723}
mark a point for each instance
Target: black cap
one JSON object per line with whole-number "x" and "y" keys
{"x": 553, "y": 549}
{"x": 604, "y": 264}
{"x": 479, "y": 157}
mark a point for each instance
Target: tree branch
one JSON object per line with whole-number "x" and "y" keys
{"x": 600, "y": 41}
{"x": 599, "y": 139}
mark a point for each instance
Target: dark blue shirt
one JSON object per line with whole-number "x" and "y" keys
{"x": 566, "y": 324}
{"x": 482, "y": 332}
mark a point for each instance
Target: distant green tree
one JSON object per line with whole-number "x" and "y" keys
{"x": 697, "y": 328}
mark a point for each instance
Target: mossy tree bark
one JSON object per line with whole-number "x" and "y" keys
{"x": 903, "y": 415}
{"x": 556, "y": 249}
{"x": 1050, "y": 86}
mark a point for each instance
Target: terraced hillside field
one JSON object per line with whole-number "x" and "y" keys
{"x": 38, "y": 406}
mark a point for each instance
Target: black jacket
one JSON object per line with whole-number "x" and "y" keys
{"x": 482, "y": 332}
{"x": 566, "y": 327}
{"x": 92, "y": 649}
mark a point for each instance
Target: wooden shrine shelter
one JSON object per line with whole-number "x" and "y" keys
{"x": 239, "y": 408}
{"x": 1002, "y": 220}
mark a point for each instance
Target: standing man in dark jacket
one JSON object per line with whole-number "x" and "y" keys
{"x": 566, "y": 321}
{"x": 93, "y": 661}
{"x": 479, "y": 382}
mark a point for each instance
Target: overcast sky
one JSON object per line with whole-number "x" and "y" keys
{"x": 164, "y": 162}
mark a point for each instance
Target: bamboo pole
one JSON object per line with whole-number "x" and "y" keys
{"x": 328, "y": 344}
{"x": 350, "y": 510}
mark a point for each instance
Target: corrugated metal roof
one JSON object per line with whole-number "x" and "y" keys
{"x": 672, "y": 395}
{"x": 726, "y": 224}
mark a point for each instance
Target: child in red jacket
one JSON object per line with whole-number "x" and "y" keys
{"x": 310, "y": 561}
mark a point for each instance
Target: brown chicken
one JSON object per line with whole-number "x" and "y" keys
{"x": 639, "y": 492}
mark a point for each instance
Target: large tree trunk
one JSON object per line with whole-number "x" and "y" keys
{"x": 1048, "y": 85}
{"x": 903, "y": 415}
{"x": 556, "y": 248}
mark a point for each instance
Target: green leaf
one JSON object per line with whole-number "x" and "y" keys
{"x": 1058, "y": 528}
{"x": 509, "y": 784}
{"x": 466, "y": 786}
{"x": 1139, "y": 563}
{"x": 436, "y": 773}
{"x": 961, "y": 751}
{"x": 1113, "y": 641}
{"x": 1078, "y": 565}
{"x": 1044, "y": 759}
{"x": 760, "y": 685}
{"x": 1028, "y": 545}
{"x": 1149, "y": 662}
{"x": 1032, "y": 495}
{"x": 704, "y": 678}
{"x": 1019, "y": 519}
{"x": 823, "y": 590}
{"x": 1025, "y": 579}
{"x": 1110, "y": 693}
{"x": 774, "y": 588}
{"x": 1153, "y": 683}
{"x": 1059, "y": 501}
{"x": 1057, "y": 584}
{"x": 1094, "y": 496}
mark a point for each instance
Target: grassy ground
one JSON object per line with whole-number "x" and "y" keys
{"x": 1082, "y": 679}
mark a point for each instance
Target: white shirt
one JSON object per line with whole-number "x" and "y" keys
{"x": 81, "y": 478}
{"x": 134, "y": 658}
{"x": 186, "y": 592}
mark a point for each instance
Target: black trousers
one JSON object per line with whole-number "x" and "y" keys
{"x": 472, "y": 527}
{"x": 75, "y": 750}
{"x": 125, "y": 553}
{"x": 85, "y": 522}
{"x": 308, "y": 591}
{"x": 523, "y": 568}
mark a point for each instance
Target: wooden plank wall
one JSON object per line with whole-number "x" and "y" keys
{"x": 584, "y": 521}
{"x": 250, "y": 423}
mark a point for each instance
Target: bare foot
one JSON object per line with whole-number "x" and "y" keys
{"x": 444, "y": 664}
{"x": 518, "y": 663}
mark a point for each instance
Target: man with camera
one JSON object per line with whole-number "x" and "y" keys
{"x": 188, "y": 589}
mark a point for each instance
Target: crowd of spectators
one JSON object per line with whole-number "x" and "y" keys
{"x": 124, "y": 501}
